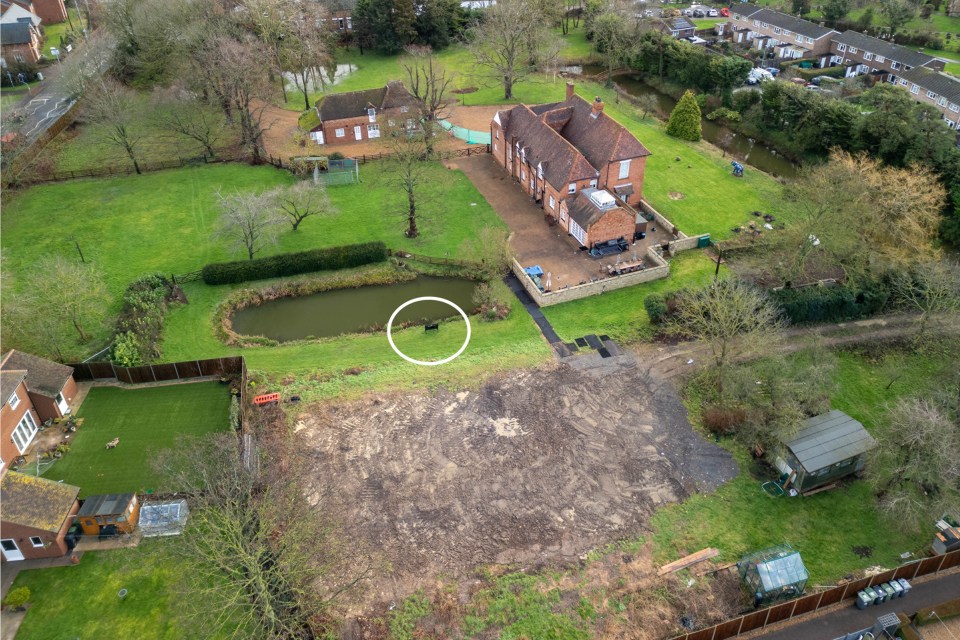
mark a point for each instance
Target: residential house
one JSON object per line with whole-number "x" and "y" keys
{"x": 935, "y": 88}
{"x": 557, "y": 150}
{"x": 595, "y": 217}
{"x": 676, "y": 27}
{"x": 342, "y": 21}
{"x": 864, "y": 54}
{"x": 50, "y": 385}
{"x": 359, "y": 115}
{"x": 827, "y": 448}
{"x": 19, "y": 43}
{"x": 37, "y": 514}
{"x": 50, "y": 11}
{"x": 788, "y": 36}
{"x": 11, "y": 12}
{"x": 19, "y": 422}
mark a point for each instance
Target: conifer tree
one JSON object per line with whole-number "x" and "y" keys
{"x": 685, "y": 119}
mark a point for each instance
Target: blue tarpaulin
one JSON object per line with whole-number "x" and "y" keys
{"x": 535, "y": 270}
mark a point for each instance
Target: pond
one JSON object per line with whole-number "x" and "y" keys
{"x": 740, "y": 146}
{"x": 319, "y": 79}
{"x": 332, "y": 313}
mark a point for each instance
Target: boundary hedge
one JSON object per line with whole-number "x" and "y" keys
{"x": 291, "y": 264}
{"x": 832, "y": 304}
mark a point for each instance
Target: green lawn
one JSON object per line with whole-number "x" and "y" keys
{"x": 739, "y": 517}
{"x": 53, "y": 32}
{"x": 146, "y": 420}
{"x": 81, "y": 601}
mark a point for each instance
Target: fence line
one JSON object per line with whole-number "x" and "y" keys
{"x": 365, "y": 158}
{"x": 816, "y": 601}
{"x": 125, "y": 170}
{"x": 183, "y": 370}
{"x": 432, "y": 260}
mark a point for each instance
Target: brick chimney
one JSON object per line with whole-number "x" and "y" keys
{"x": 569, "y": 90}
{"x": 597, "y": 107}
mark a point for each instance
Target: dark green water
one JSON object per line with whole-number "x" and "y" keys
{"x": 332, "y": 313}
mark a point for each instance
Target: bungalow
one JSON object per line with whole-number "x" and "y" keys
{"x": 936, "y": 89}
{"x": 864, "y": 54}
{"x": 676, "y": 27}
{"x": 829, "y": 447}
{"x": 788, "y": 36}
{"x": 19, "y": 43}
{"x": 358, "y": 115}
{"x": 11, "y": 12}
{"x": 37, "y": 514}
{"x": 557, "y": 150}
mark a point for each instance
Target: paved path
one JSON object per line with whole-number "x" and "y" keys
{"x": 847, "y": 619}
{"x": 545, "y": 327}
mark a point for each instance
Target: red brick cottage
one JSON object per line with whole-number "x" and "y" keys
{"x": 557, "y": 150}
{"x": 49, "y": 11}
{"x": 50, "y": 385}
{"x": 37, "y": 513}
{"x": 19, "y": 43}
{"x": 361, "y": 115}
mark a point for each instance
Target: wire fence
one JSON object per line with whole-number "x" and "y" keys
{"x": 467, "y": 135}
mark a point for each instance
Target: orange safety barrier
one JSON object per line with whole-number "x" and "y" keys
{"x": 266, "y": 398}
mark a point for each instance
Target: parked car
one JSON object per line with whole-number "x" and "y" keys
{"x": 712, "y": 13}
{"x": 821, "y": 80}
{"x": 759, "y": 75}
{"x": 688, "y": 12}
{"x": 773, "y": 70}
{"x": 725, "y": 12}
{"x": 699, "y": 13}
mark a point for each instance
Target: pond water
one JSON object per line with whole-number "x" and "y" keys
{"x": 752, "y": 153}
{"x": 332, "y": 313}
{"x": 314, "y": 79}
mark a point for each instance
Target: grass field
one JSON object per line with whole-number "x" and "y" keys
{"x": 146, "y": 420}
{"x": 740, "y": 517}
{"x": 53, "y": 32}
{"x": 81, "y": 601}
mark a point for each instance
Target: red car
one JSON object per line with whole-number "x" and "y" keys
{"x": 725, "y": 12}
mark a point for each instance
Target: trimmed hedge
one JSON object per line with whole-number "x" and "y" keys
{"x": 831, "y": 304}
{"x": 291, "y": 264}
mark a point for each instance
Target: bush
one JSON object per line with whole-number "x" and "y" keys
{"x": 140, "y": 325}
{"x": 830, "y": 72}
{"x": 832, "y": 304}
{"x": 724, "y": 115}
{"x": 291, "y": 264}
{"x": 17, "y": 598}
{"x": 723, "y": 420}
{"x": 685, "y": 119}
{"x": 656, "y": 306}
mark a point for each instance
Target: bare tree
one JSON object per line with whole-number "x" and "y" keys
{"x": 929, "y": 289}
{"x": 182, "y": 112}
{"x": 511, "y": 41}
{"x": 730, "y": 316}
{"x": 490, "y": 247}
{"x": 614, "y": 40}
{"x": 308, "y": 49}
{"x": 647, "y": 103}
{"x": 113, "y": 109}
{"x": 430, "y": 84}
{"x": 408, "y": 170}
{"x": 303, "y": 200}
{"x": 249, "y": 221}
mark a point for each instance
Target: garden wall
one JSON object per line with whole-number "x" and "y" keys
{"x": 815, "y": 601}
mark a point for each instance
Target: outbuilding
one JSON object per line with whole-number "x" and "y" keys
{"x": 829, "y": 447}
{"x": 109, "y": 514}
{"x": 596, "y": 218}
{"x": 773, "y": 574}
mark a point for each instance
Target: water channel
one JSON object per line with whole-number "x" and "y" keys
{"x": 332, "y": 313}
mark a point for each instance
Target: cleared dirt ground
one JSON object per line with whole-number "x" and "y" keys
{"x": 533, "y": 468}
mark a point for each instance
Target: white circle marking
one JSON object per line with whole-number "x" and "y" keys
{"x": 424, "y": 362}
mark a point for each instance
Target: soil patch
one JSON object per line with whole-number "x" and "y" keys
{"x": 676, "y": 195}
{"x": 534, "y": 468}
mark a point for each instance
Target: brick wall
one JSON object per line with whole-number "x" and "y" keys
{"x": 29, "y": 52}
{"x": 50, "y": 11}
{"x": 610, "y": 178}
{"x": 614, "y": 224}
{"x": 53, "y": 543}
{"x": 9, "y": 418}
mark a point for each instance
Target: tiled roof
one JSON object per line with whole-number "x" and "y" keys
{"x": 354, "y": 104}
{"x": 585, "y": 212}
{"x": 9, "y": 380}
{"x": 682, "y": 23}
{"x": 44, "y": 377}
{"x": 784, "y": 21}
{"x": 35, "y": 502}
{"x": 602, "y": 139}
{"x": 397, "y": 96}
{"x": 940, "y": 83}
{"x": 883, "y": 48}
{"x": 542, "y": 144}
{"x": 15, "y": 33}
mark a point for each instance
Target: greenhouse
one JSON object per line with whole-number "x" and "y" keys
{"x": 163, "y": 518}
{"x": 773, "y": 574}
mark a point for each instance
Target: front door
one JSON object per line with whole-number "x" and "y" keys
{"x": 356, "y": 132}
{"x": 10, "y": 550}
{"x": 62, "y": 404}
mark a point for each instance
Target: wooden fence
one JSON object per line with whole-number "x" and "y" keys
{"x": 190, "y": 276}
{"x": 167, "y": 371}
{"x": 816, "y": 601}
{"x": 464, "y": 152}
{"x": 125, "y": 170}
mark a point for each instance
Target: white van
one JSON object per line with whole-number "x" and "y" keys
{"x": 759, "y": 75}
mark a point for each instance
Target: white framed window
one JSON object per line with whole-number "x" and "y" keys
{"x": 787, "y": 32}
{"x": 496, "y": 132}
{"x": 509, "y": 154}
{"x": 756, "y": 23}
{"x": 372, "y": 115}
{"x": 14, "y": 400}
{"x": 349, "y": 23}
{"x": 18, "y": 57}
{"x": 868, "y": 56}
{"x": 799, "y": 38}
{"x": 950, "y": 124}
{"x": 841, "y": 47}
{"x": 404, "y": 109}
{"x": 553, "y": 203}
{"x": 593, "y": 183}
{"x": 931, "y": 95}
{"x": 624, "y": 169}
{"x": 954, "y": 107}
{"x": 24, "y": 432}
{"x": 777, "y": 30}
{"x": 903, "y": 82}
{"x": 914, "y": 89}
{"x": 495, "y": 147}
{"x": 341, "y": 132}
{"x": 881, "y": 59}
{"x": 36, "y": 541}
{"x": 340, "y": 24}
{"x": 853, "y": 49}
{"x": 563, "y": 213}
{"x": 373, "y": 131}
{"x": 809, "y": 40}
{"x": 523, "y": 174}
{"x": 540, "y": 171}
{"x": 765, "y": 25}
{"x": 894, "y": 65}
{"x": 572, "y": 187}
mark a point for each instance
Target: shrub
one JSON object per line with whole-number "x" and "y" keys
{"x": 723, "y": 114}
{"x": 832, "y": 304}
{"x": 685, "y": 119}
{"x": 17, "y": 598}
{"x": 492, "y": 300}
{"x": 140, "y": 324}
{"x": 291, "y": 264}
{"x": 723, "y": 420}
{"x": 656, "y": 306}
{"x": 235, "y": 413}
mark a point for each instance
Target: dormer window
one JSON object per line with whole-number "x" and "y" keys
{"x": 372, "y": 114}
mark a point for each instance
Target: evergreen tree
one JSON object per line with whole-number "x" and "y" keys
{"x": 685, "y": 119}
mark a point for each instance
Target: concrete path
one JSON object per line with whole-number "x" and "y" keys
{"x": 846, "y": 619}
{"x": 11, "y": 569}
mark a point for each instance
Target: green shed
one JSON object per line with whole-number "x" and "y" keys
{"x": 828, "y": 447}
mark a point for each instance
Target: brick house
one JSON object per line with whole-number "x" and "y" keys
{"x": 864, "y": 54}
{"x": 342, "y": 22}
{"x": 50, "y": 11}
{"x": 11, "y": 12}
{"x": 360, "y": 115}
{"x": 595, "y": 217}
{"x": 935, "y": 88}
{"x": 50, "y": 385}
{"x": 37, "y": 514}
{"x": 19, "y": 43}
{"x": 557, "y": 150}
{"x": 788, "y": 36}
{"x": 676, "y": 27}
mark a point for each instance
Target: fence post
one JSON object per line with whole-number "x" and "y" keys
{"x": 153, "y": 373}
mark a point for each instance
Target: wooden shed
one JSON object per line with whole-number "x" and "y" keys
{"x": 828, "y": 447}
{"x": 119, "y": 510}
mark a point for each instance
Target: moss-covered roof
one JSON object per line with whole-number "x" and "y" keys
{"x": 309, "y": 120}
{"x": 35, "y": 502}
